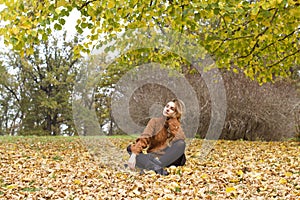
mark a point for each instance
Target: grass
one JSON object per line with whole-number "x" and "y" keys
{"x": 33, "y": 138}
{"x": 31, "y": 189}
{"x": 29, "y": 138}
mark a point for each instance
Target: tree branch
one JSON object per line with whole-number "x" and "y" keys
{"x": 279, "y": 61}
{"x": 12, "y": 92}
{"x": 86, "y": 4}
{"x": 222, "y": 42}
{"x": 257, "y": 37}
{"x": 251, "y": 51}
{"x": 288, "y": 35}
{"x": 264, "y": 31}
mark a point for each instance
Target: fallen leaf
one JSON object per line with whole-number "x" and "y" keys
{"x": 288, "y": 174}
{"x": 282, "y": 181}
{"x": 230, "y": 189}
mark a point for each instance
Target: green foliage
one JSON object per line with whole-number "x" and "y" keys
{"x": 260, "y": 38}
{"x": 39, "y": 93}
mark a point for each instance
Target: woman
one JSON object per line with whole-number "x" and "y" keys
{"x": 162, "y": 142}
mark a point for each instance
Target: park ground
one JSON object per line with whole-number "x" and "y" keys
{"x": 80, "y": 168}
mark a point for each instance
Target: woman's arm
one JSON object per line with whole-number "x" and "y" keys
{"x": 144, "y": 140}
{"x": 141, "y": 143}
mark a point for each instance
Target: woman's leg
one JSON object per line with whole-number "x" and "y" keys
{"x": 179, "y": 162}
{"x": 174, "y": 154}
{"x": 147, "y": 161}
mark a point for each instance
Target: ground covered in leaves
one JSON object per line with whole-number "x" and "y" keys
{"x": 76, "y": 168}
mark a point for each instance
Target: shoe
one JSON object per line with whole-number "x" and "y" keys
{"x": 162, "y": 172}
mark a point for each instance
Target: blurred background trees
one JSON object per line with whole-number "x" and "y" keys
{"x": 36, "y": 94}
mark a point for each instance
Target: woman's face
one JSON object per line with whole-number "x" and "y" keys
{"x": 169, "y": 110}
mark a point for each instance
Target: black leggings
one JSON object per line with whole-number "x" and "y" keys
{"x": 174, "y": 155}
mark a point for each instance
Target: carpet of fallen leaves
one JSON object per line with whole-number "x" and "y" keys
{"x": 73, "y": 168}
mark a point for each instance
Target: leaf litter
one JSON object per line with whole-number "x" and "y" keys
{"x": 93, "y": 168}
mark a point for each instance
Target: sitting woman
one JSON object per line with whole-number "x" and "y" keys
{"x": 162, "y": 142}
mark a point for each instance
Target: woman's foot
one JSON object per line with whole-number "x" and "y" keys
{"x": 161, "y": 171}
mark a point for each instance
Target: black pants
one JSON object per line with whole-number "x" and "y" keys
{"x": 174, "y": 155}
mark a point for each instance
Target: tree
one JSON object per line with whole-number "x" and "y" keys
{"x": 90, "y": 92}
{"x": 94, "y": 87}
{"x": 9, "y": 102}
{"x": 261, "y": 38}
{"x": 257, "y": 38}
{"x": 41, "y": 87}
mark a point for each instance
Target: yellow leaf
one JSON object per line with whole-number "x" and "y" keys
{"x": 294, "y": 12}
{"x": 282, "y": 181}
{"x": 29, "y": 51}
{"x": 57, "y": 10}
{"x": 234, "y": 180}
{"x": 255, "y": 10}
{"x": 110, "y": 4}
{"x": 25, "y": 26}
{"x": 230, "y": 189}
{"x": 61, "y": 3}
{"x": 288, "y": 174}
{"x": 235, "y": 70}
{"x": 15, "y": 31}
{"x": 204, "y": 176}
{"x": 10, "y": 187}
{"x": 77, "y": 182}
{"x": 240, "y": 173}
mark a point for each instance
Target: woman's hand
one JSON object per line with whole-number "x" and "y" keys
{"x": 132, "y": 161}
